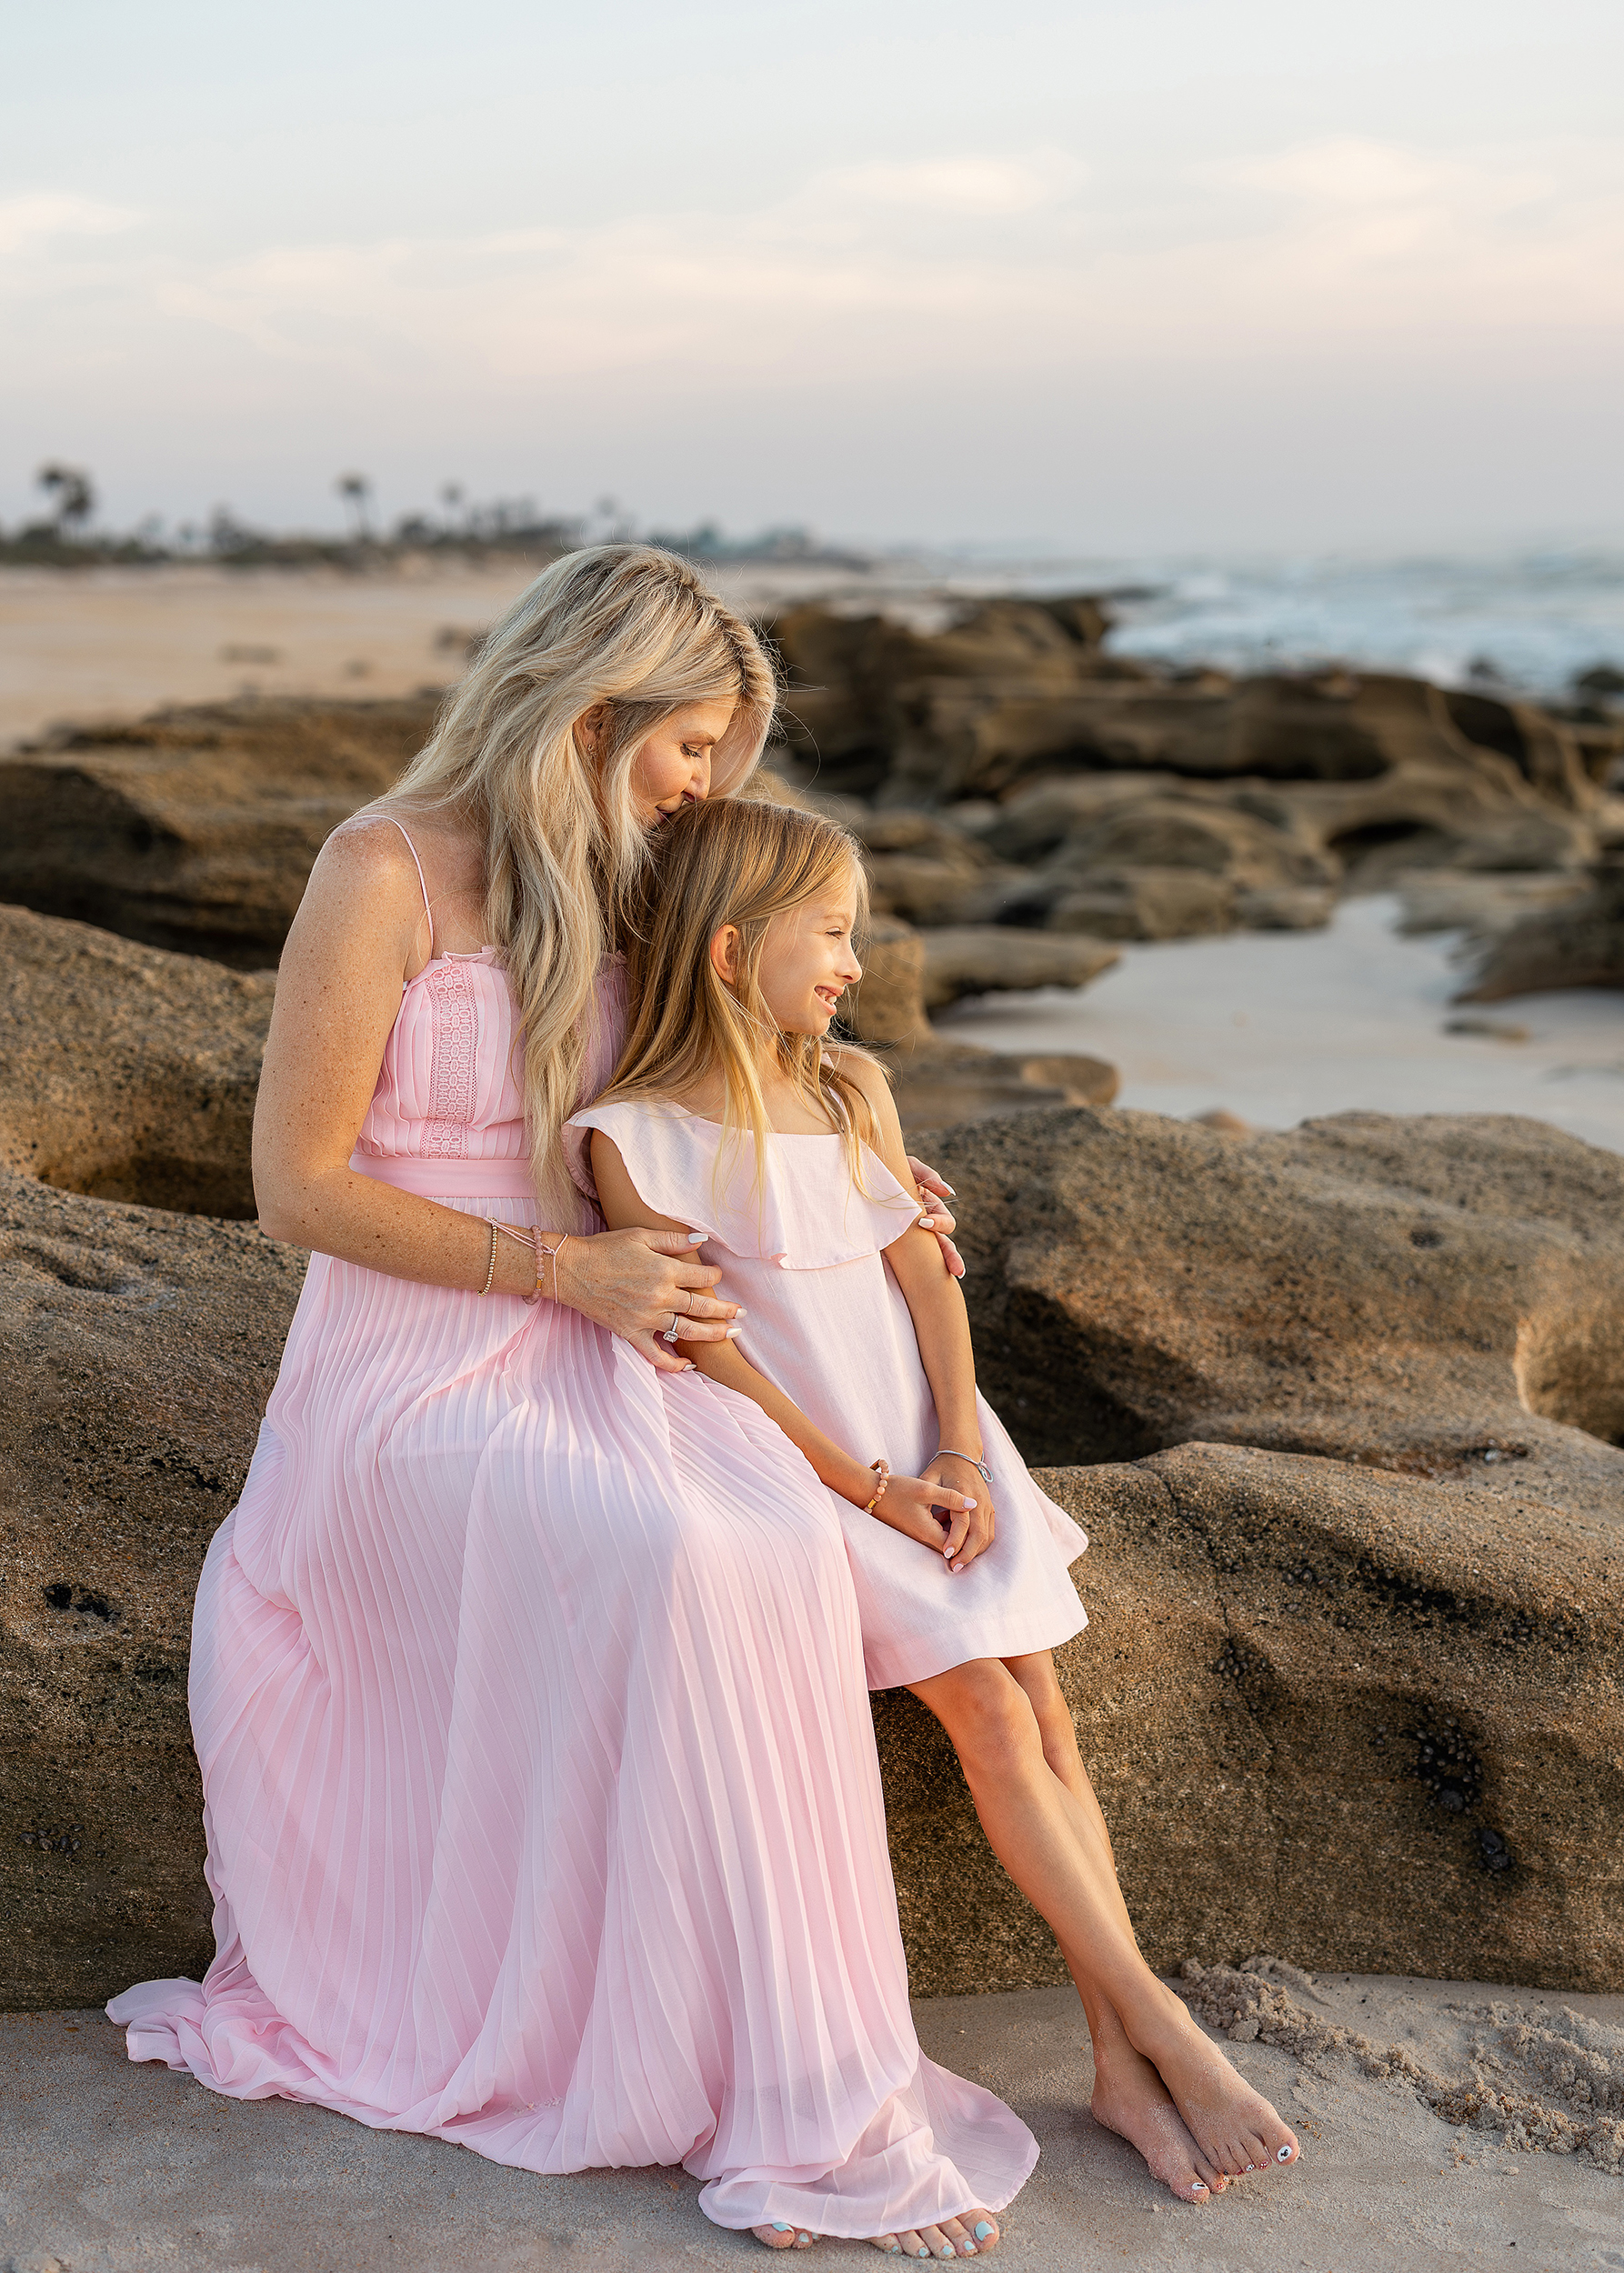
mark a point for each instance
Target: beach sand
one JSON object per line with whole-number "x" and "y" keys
{"x": 112, "y": 2168}
{"x": 1280, "y": 1027}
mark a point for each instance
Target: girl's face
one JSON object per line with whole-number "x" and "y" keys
{"x": 673, "y": 767}
{"x": 807, "y": 960}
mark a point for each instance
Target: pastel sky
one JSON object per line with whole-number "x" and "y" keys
{"x": 1106, "y": 275}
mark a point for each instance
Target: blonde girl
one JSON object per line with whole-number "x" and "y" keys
{"x": 542, "y": 1808}
{"x": 729, "y": 1116}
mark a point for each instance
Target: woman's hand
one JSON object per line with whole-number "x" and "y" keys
{"x": 631, "y": 1282}
{"x": 929, "y": 1511}
{"x": 941, "y": 1218}
{"x": 968, "y": 1534}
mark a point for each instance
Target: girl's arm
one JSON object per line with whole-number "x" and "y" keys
{"x": 941, "y": 1323}
{"x": 360, "y": 928}
{"x": 907, "y": 1502}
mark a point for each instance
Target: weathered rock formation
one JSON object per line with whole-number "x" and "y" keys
{"x": 136, "y": 1352}
{"x": 1098, "y": 796}
{"x": 126, "y": 1072}
{"x": 1354, "y": 1687}
{"x": 1579, "y": 943}
{"x": 1351, "y": 1690}
{"x": 196, "y": 829}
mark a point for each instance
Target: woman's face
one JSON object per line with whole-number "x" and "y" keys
{"x": 673, "y": 767}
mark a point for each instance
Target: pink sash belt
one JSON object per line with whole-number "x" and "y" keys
{"x": 448, "y": 1180}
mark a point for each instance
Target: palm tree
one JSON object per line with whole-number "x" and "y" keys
{"x": 73, "y": 498}
{"x": 356, "y": 490}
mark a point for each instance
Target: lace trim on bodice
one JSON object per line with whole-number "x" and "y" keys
{"x": 453, "y": 1089}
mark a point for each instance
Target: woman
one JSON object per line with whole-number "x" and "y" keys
{"x": 542, "y": 1806}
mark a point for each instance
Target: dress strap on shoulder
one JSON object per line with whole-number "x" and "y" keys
{"x": 417, "y": 864}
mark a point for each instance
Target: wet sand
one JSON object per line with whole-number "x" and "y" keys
{"x": 111, "y": 2168}
{"x": 1277, "y": 1027}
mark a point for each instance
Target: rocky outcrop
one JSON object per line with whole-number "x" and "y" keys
{"x": 136, "y": 1352}
{"x": 1352, "y": 1686}
{"x": 126, "y": 1072}
{"x": 1022, "y": 776}
{"x": 196, "y": 829}
{"x": 989, "y": 958}
{"x": 1576, "y": 944}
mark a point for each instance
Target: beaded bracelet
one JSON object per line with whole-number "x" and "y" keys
{"x": 491, "y": 1269}
{"x": 882, "y": 1469}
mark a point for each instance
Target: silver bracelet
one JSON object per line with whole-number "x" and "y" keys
{"x": 945, "y": 1452}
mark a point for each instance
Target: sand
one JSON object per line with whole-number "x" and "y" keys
{"x": 111, "y": 2168}
{"x": 1281, "y": 1027}
{"x": 86, "y": 646}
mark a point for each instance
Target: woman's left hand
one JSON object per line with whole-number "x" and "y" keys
{"x": 941, "y": 1218}
{"x": 969, "y": 1531}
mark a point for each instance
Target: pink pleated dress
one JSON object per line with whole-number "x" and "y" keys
{"x": 541, "y": 1799}
{"x": 825, "y": 1320}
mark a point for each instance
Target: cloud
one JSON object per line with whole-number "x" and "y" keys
{"x": 959, "y": 186}
{"x": 30, "y": 223}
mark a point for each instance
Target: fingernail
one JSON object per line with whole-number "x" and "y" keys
{"x": 696, "y": 1240}
{"x": 734, "y": 1332}
{"x": 983, "y": 2229}
{"x": 953, "y": 1195}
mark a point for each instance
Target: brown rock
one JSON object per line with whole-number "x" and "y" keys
{"x": 137, "y": 1351}
{"x": 1219, "y": 840}
{"x": 1371, "y": 1721}
{"x": 1579, "y": 945}
{"x": 1130, "y": 903}
{"x": 1362, "y": 1709}
{"x": 1455, "y": 899}
{"x": 989, "y": 959}
{"x": 196, "y": 829}
{"x": 125, "y": 1072}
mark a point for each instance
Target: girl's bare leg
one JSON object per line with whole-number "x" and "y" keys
{"x": 1045, "y": 1826}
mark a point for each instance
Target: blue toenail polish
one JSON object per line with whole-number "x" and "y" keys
{"x": 779, "y": 2226}
{"x": 982, "y": 2230}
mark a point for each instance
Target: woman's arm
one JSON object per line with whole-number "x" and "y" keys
{"x": 905, "y": 1503}
{"x": 359, "y": 930}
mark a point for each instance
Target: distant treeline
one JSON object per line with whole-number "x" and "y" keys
{"x": 67, "y": 535}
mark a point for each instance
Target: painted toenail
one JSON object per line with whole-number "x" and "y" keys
{"x": 779, "y": 2226}
{"x": 1284, "y": 2155}
{"x": 983, "y": 2229}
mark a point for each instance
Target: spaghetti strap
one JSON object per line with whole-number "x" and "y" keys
{"x": 417, "y": 864}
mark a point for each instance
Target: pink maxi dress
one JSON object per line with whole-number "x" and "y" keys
{"x": 826, "y": 1323}
{"x": 540, "y": 1791}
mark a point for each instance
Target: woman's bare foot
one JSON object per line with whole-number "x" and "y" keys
{"x": 971, "y": 2236}
{"x": 1131, "y": 2099}
{"x": 1234, "y": 2127}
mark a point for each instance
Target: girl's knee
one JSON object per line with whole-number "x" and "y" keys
{"x": 985, "y": 1710}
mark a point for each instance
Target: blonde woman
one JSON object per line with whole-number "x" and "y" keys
{"x": 541, "y": 1799}
{"x": 728, "y": 1117}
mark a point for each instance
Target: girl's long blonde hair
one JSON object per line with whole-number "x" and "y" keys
{"x": 631, "y": 628}
{"x": 741, "y": 862}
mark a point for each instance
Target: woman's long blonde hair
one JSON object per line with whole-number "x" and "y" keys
{"x": 742, "y": 864}
{"x": 631, "y": 628}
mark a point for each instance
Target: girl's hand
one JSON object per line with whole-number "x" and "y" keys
{"x": 969, "y": 1535}
{"x": 632, "y": 1281}
{"x": 910, "y": 1504}
{"x": 941, "y": 1218}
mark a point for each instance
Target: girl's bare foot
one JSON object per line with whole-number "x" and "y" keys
{"x": 1234, "y": 2127}
{"x": 776, "y": 2237}
{"x": 1131, "y": 2099}
{"x": 971, "y": 2236}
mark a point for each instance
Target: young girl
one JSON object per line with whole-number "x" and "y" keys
{"x": 727, "y": 1115}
